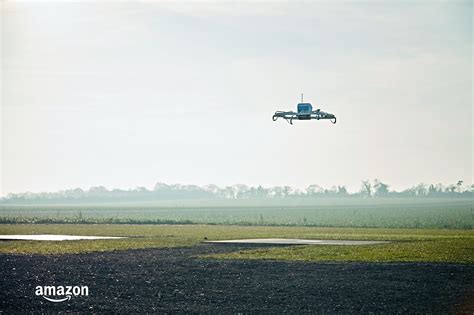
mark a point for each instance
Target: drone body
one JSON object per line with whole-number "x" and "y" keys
{"x": 304, "y": 112}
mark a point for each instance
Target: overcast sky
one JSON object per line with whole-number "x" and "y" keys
{"x": 128, "y": 94}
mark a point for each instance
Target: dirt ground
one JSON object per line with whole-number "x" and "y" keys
{"x": 175, "y": 281}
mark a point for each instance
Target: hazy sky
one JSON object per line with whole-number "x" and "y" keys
{"x": 128, "y": 94}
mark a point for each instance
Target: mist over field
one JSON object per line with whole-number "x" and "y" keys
{"x": 374, "y": 205}
{"x": 162, "y": 191}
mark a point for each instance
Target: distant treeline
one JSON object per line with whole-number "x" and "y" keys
{"x": 161, "y": 191}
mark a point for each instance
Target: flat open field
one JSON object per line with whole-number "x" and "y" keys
{"x": 409, "y": 245}
{"x": 166, "y": 268}
{"x": 436, "y": 213}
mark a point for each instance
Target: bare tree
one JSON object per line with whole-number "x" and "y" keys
{"x": 366, "y": 189}
{"x": 342, "y": 191}
{"x": 286, "y": 191}
{"x": 459, "y": 185}
{"x": 380, "y": 188}
{"x": 314, "y": 189}
{"x": 421, "y": 190}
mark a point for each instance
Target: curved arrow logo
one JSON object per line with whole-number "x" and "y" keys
{"x": 57, "y": 300}
{"x": 58, "y": 294}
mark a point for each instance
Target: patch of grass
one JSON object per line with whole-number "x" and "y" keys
{"x": 427, "y": 245}
{"x": 456, "y": 250}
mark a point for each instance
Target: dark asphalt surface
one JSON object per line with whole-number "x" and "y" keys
{"x": 175, "y": 281}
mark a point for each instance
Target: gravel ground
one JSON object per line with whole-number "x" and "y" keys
{"x": 175, "y": 281}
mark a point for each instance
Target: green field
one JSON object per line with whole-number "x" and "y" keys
{"x": 409, "y": 245}
{"x": 422, "y": 229}
{"x": 327, "y": 212}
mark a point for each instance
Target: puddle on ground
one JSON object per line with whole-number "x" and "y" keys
{"x": 53, "y": 237}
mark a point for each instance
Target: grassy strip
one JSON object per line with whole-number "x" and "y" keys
{"x": 454, "y": 246}
{"x": 457, "y": 250}
{"x": 467, "y": 225}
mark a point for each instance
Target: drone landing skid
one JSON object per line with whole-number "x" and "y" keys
{"x": 317, "y": 114}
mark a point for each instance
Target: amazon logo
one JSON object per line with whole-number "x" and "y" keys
{"x": 57, "y": 294}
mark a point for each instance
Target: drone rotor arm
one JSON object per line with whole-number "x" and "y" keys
{"x": 288, "y": 116}
{"x": 319, "y": 114}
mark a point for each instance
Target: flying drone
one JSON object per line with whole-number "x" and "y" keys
{"x": 304, "y": 112}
